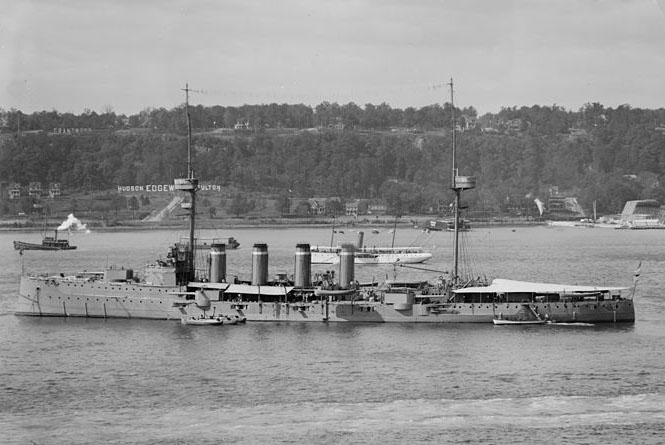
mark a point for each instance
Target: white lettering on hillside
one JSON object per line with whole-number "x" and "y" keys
{"x": 156, "y": 188}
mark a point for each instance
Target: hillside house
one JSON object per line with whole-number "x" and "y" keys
{"x": 54, "y": 190}
{"x": 469, "y": 122}
{"x": 377, "y": 208}
{"x": 14, "y": 191}
{"x": 357, "y": 207}
{"x": 35, "y": 189}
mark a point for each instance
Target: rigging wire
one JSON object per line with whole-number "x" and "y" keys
{"x": 291, "y": 93}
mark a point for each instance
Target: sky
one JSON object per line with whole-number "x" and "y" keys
{"x": 129, "y": 55}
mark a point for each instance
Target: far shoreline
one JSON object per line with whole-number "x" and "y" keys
{"x": 221, "y": 224}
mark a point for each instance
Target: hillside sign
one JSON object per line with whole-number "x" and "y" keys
{"x": 158, "y": 188}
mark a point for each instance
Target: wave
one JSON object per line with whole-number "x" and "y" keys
{"x": 589, "y": 419}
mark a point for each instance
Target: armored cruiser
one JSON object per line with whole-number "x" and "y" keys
{"x": 178, "y": 289}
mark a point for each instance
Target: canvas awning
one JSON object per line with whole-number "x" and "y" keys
{"x": 512, "y": 286}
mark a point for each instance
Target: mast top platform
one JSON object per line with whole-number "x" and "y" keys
{"x": 186, "y": 184}
{"x": 464, "y": 182}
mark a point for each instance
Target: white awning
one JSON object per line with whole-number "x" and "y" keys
{"x": 209, "y": 286}
{"x": 512, "y": 286}
{"x": 249, "y": 289}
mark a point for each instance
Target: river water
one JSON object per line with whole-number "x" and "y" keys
{"x": 80, "y": 381}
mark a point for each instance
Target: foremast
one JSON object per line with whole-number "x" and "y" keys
{"x": 190, "y": 185}
{"x": 458, "y": 183}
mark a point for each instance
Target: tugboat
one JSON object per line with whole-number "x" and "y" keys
{"x": 48, "y": 243}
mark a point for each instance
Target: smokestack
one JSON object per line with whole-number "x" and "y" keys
{"x": 346, "y": 265}
{"x": 302, "y": 276}
{"x": 259, "y": 264}
{"x": 359, "y": 244}
{"x": 217, "y": 263}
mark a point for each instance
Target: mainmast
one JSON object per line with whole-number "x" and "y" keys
{"x": 458, "y": 184}
{"x": 190, "y": 185}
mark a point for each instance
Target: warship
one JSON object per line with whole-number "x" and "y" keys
{"x": 176, "y": 289}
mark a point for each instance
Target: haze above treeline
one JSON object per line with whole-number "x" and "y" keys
{"x": 607, "y": 155}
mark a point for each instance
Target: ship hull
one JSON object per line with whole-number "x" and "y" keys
{"x": 51, "y": 297}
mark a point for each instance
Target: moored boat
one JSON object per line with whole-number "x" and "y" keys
{"x": 202, "y": 321}
{"x": 555, "y": 323}
{"x": 449, "y": 225}
{"x": 230, "y": 243}
{"x": 504, "y": 322}
{"x": 371, "y": 254}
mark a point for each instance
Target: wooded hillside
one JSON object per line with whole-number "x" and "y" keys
{"x": 404, "y": 156}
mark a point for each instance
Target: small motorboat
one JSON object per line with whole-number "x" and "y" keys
{"x": 234, "y": 319}
{"x": 203, "y": 321}
{"x": 558, "y": 323}
{"x": 503, "y": 321}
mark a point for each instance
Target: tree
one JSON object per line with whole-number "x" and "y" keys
{"x": 302, "y": 208}
{"x": 27, "y": 205}
{"x": 118, "y": 202}
{"x": 239, "y": 205}
{"x": 133, "y": 205}
{"x": 283, "y": 204}
{"x": 335, "y": 207}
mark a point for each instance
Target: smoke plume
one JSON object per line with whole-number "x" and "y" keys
{"x": 73, "y": 222}
{"x": 540, "y": 204}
